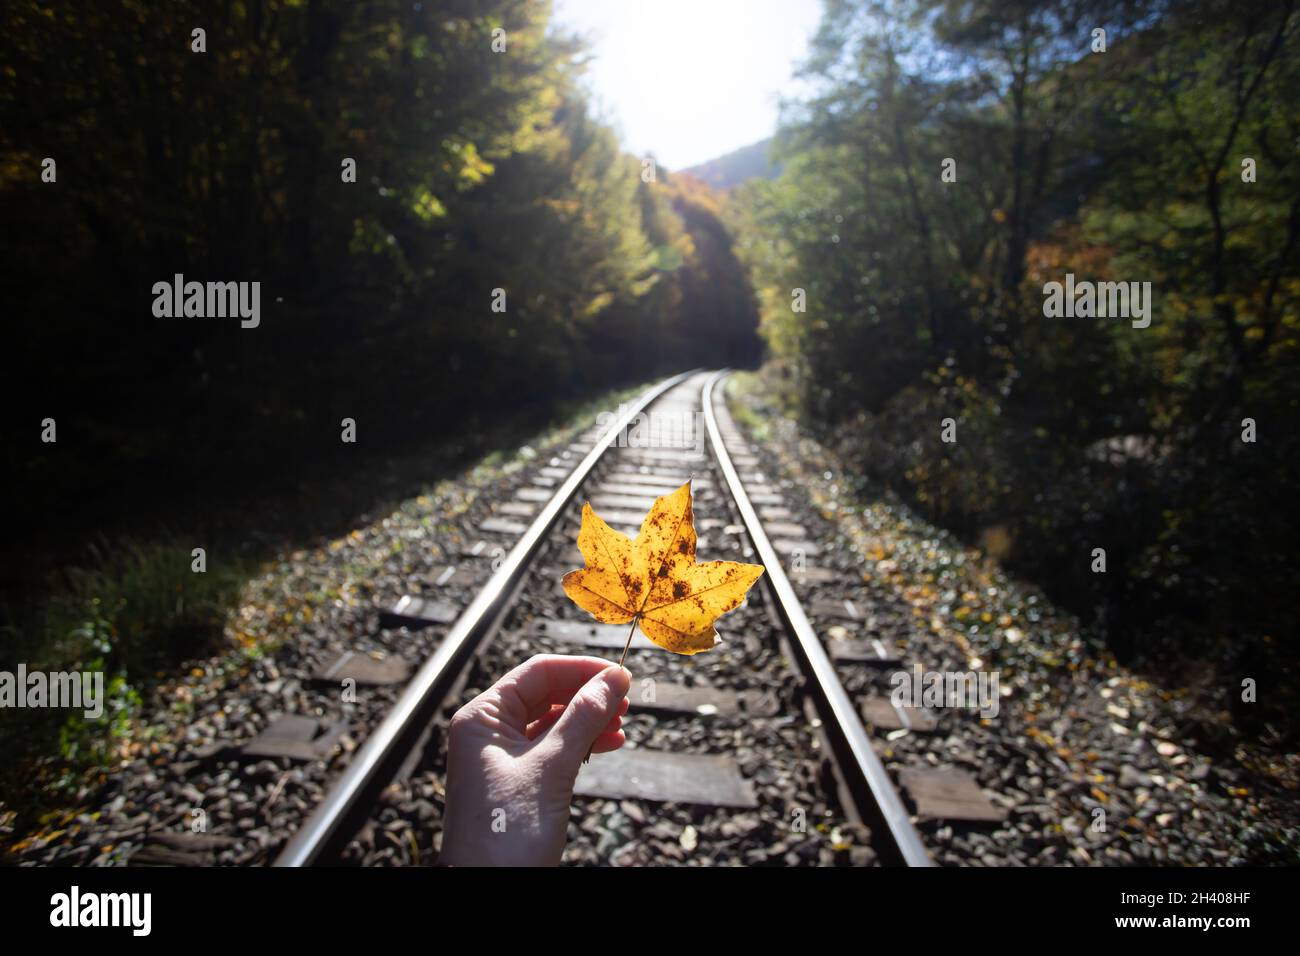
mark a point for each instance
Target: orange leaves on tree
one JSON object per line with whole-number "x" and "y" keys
{"x": 654, "y": 581}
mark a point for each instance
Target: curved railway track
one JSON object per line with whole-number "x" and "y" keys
{"x": 771, "y": 692}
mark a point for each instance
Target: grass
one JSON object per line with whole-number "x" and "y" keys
{"x": 132, "y": 610}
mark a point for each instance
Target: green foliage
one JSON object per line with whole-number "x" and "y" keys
{"x": 87, "y": 743}
{"x": 133, "y": 611}
{"x": 925, "y": 297}
{"x": 139, "y": 607}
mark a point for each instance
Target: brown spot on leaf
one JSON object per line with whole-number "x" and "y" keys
{"x": 686, "y": 624}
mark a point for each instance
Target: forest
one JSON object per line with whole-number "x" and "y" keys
{"x": 956, "y": 166}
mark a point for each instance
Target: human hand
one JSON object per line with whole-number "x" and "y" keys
{"x": 514, "y": 752}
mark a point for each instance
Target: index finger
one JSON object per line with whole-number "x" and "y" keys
{"x": 528, "y": 691}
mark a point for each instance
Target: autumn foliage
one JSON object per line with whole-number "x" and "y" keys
{"x": 654, "y": 580}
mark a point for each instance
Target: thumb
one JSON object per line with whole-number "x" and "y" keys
{"x": 595, "y": 704}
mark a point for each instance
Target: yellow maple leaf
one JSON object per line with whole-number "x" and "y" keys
{"x": 654, "y": 580}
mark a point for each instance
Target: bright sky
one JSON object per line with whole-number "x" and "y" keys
{"x": 689, "y": 80}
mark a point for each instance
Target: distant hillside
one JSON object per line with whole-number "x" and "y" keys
{"x": 748, "y": 162}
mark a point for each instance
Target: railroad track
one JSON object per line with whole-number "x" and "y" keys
{"x": 755, "y": 742}
{"x": 315, "y": 743}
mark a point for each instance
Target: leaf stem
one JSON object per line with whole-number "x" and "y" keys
{"x": 628, "y": 644}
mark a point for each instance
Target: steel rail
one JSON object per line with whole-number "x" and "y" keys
{"x": 350, "y": 799}
{"x": 865, "y": 776}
